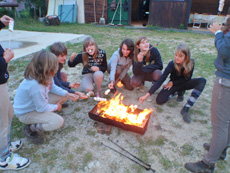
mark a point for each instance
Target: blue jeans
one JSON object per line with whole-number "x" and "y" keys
{"x": 6, "y": 114}
{"x": 220, "y": 121}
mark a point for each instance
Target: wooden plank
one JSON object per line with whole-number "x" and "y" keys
{"x": 169, "y": 13}
{"x": 89, "y": 10}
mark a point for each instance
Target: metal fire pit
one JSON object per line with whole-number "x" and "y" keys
{"x": 138, "y": 129}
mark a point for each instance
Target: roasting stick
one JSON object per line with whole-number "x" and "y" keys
{"x": 148, "y": 168}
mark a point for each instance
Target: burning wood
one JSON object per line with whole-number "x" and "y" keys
{"x": 113, "y": 112}
{"x": 119, "y": 84}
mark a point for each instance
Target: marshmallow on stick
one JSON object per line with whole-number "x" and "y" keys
{"x": 107, "y": 91}
{"x": 100, "y": 99}
{"x": 11, "y": 25}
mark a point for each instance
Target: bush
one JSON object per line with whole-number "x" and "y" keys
{"x": 5, "y": 11}
{"x": 25, "y": 13}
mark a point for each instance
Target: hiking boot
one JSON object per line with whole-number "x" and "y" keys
{"x": 14, "y": 146}
{"x": 186, "y": 116}
{"x": 223, "y": 154}
{"x": 65, "y": 105}
{"x": 14, "y": 162}
{"x": 199, "y": 167}
{"x": 32, "y": 136}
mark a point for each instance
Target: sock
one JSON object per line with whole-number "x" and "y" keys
{"x": 36, "y": 127}
{"x": 193, "y": 97}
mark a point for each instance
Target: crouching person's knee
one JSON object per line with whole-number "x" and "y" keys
{"x": 57, "y": 123}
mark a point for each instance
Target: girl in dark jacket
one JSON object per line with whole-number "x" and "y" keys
{"x": 181, "y": 71}
{"x": 147, "y": 63}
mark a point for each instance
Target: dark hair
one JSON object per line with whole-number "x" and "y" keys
{"x": 130, "y": 44}
{"x": 58, "y": 48}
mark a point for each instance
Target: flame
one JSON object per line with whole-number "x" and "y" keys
{"x": 115, "y": 110}
{"x": 119, "y": 84}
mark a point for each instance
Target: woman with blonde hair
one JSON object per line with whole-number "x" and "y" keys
{"x": 181, "y": 71}
{"x": 147, "y": 64}
{"x": 94, "y": 65}
{"x": 38, "y": 97}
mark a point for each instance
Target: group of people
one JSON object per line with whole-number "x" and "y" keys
{"x": 45, "y": 88}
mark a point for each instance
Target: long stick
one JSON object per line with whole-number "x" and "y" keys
{"x": 146, "y": 168}
{"x": 115, "y": 12}
{"x": 129, "y": 153}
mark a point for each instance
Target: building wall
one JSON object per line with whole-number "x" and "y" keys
{"x": 90, "y": 15}
{"x": 208, "y": 6}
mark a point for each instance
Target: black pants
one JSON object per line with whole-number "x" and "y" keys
{"x": 196, "y": 83}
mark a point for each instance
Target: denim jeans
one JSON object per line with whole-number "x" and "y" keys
{"x": 6, "y": 114}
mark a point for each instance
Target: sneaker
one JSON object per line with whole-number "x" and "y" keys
{"x": 65, "y": 105}
{"x": 90, "y": 94}
{"x": 223, "y": 154}
{"x": 32, "y": 136}
{"x": 14, "y": 162}
{"x": 14, "y": 146}
{"x": 199, "y": 167}
{"x": 185, "y": 114}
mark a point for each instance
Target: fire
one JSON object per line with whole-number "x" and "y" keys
{"x": 115, "y": 110}
{"x": 119, "y": 84}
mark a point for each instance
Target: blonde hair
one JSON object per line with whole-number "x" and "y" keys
{"x": 42, "y": 67}
{"x": 188, "y": 63}
{"x": 137, "y": 50}
{"x": 85, "y": 56}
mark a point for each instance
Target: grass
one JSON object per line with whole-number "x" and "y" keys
{"x": 74, "y": 146}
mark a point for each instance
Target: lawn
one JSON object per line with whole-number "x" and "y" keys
{"x": 168, "y": 142}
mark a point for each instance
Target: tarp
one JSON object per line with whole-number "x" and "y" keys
{"x": 53, "y": 5}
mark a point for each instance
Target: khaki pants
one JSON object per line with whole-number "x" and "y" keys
{"x": 49, "y": 120}
{"x": 6, "y": 114}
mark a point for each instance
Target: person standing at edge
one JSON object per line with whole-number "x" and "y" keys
{"x": 220, "y": 116}
{"x": 8, "y": 160}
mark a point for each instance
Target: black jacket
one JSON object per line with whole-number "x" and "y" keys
{"x": 155, "y": 63}
{"x": 100, "y": 62}
{"x": 4, "y": 75}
